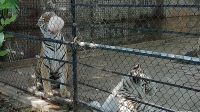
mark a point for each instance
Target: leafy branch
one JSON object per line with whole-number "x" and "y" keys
{"x": 7, "y": 7}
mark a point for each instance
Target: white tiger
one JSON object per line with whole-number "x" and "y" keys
{"x": 50, "y": 68}
{"x": 130, "y": 88}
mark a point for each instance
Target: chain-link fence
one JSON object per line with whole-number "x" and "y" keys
{"x": 105, "y": 40}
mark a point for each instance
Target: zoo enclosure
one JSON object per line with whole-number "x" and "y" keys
{"x": 152, "y": 33}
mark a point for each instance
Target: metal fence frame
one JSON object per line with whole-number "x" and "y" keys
{"x": 75, "y": 45}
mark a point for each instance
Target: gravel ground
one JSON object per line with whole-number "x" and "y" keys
{"x": 8, "y": 104}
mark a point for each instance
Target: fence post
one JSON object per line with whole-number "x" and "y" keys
{"x": 74, "y": 55}
{"x": 74, "y": 75}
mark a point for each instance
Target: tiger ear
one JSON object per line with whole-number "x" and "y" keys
{"x": 136, "y": 66}
{"x": 136, "y": 69}
{"x": 135, "y": 72}
{"x": 47, "y": 16}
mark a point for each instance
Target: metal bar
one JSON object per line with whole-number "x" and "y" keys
{"x": 91, "y": 86}
{"x": 137, "y": 5}
{"x": 141, "y": 52}
{"x": 37, "y": 93}
{"x": 142, "y": 102}
{"x": 123, "y": 74}
{"x": 110, "y": 71}
{"x": 74, "y": 53}
{"x": 152, "y": 105}
{"x": 38, "y": 38}
{"x": 115, "y": 48}
{"x": 37, "y": 56}
{"x": 54, "y": 81}
{"x": 74, "y": 69}
{"x": 44, "y": 8}
{"x": 108, "y": 5}
{"x": 137, "y": 29}
{"x": 89, "y": 105}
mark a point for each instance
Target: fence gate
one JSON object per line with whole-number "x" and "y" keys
{"x": 123, "y": 55}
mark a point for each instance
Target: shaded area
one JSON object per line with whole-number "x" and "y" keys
{"x": 8, "y": 104}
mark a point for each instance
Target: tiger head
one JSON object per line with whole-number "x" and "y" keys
{"x": 49, "y": 22}
{"x": 138, "y": 86}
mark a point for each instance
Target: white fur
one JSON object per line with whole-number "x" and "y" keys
{"x": 117, "y": 102}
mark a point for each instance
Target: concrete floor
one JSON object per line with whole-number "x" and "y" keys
{"x": 159, "y": 69}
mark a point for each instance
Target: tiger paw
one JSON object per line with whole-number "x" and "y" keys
{"x": 65, "y": 93}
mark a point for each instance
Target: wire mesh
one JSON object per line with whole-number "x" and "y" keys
{"x": 105, "y": 39}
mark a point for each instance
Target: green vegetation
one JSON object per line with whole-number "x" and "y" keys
{"x": 67, "y": 107}
{"x": 8, "y": 13}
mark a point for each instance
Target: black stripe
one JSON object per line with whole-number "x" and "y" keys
{"x": 42, "y": 27}
{"x": 59, "y": 74}
{"x": 61, "y": 65}
{"x": 125, "y": 89}
{"x": 62, "y": 59}
{"x": 145, "y": 106}
{"x": 59, "y": 46}
{"x": 46, "y": 65}
{"x": 62, "y": 56}
{"x": 46, "y": 43}
{"x": 50, "y": 48}
{"x": 138, "y": 105}
{"x": 127, "y": 83}
{"x": 55, "y": 36}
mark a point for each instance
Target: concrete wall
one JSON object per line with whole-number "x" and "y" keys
{"x": 184, "y": 19}
{"x": 134, "y": 17}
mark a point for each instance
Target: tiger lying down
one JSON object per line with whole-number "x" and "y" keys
{"x": 131, "y": 88}
{"x": 50, "y": 25}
